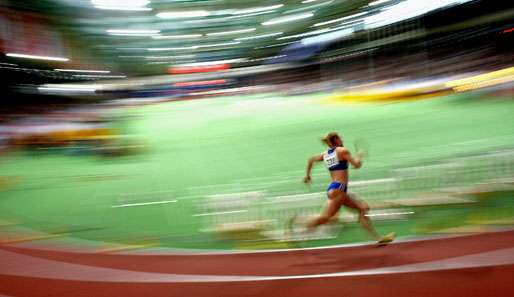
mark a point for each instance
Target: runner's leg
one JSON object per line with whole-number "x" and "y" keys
{"x": 362, "y": 207}
{"x": 334, "y": 203}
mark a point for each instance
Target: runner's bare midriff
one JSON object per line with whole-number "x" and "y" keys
{"x": 340, "y": 176}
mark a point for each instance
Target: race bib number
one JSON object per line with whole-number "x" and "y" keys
{"x": 330, "y": 159}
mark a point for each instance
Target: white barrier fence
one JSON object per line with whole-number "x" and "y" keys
{"x": 407, "y": 183}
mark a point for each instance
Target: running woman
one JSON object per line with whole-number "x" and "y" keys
{"x": 336, "y": 159}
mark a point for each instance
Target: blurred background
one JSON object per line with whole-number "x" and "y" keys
{"x": 188, "y": 123}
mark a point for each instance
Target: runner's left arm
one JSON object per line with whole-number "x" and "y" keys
{"x": 346, "y": 155}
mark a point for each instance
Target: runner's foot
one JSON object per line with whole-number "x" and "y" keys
{"x": 289, "y": 231}
{"x": 387, "y": 238}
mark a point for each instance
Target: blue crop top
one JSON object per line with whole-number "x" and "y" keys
{"x": 332, "y": 162}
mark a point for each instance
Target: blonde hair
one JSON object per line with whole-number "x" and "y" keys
{"x": 329, "y": 138}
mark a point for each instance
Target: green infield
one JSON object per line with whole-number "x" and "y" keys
{"x": 252, "y": 150}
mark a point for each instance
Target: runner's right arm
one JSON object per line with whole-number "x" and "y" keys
{"x": 310, "y": 162}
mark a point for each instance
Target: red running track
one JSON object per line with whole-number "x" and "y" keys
{"x": 474, "y": 265}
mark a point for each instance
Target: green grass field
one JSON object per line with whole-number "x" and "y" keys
{"x": 240, "y": 144}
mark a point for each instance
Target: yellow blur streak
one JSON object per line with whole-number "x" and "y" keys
{"x": 483, "y": 80}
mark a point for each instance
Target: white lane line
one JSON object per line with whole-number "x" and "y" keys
{"x": 28, "y": 266}
{"x": 219, "y": 213}
{"x": 383, "y": 214}
{"x": 144, "y": 203}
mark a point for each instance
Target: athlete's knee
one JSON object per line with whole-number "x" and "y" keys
{"x": 323, "y": 219}
{"x": 363, "y": 208}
